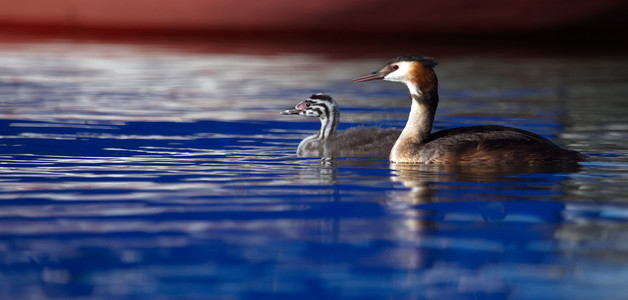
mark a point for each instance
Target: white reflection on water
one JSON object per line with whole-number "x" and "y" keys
{"x": 116, "y": 82}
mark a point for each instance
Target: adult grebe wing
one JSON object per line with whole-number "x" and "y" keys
{"x": 492, "y": 143}
{"x": 486, "y": 132}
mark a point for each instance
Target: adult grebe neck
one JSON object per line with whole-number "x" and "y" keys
{"x": 420, "y": 121}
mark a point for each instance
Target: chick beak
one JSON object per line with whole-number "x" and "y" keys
{"x": 297, "y": 110}
{"x": 293, "y": 111}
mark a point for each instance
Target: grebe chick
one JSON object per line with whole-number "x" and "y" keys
{"x": 474, "y": 144}
{"x": 354, "y": 142}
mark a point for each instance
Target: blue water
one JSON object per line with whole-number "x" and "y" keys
{"x": 147, "y": 172}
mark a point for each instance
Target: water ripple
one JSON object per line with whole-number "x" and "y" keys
{"x": 132, "y": 171}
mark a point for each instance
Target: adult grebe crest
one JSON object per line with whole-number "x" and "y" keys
{"x": 474, "y": 144}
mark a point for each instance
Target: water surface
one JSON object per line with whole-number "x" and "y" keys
{"x": 150, "y": 172}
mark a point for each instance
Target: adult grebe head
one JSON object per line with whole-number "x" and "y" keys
{"x": 318, "y": 105}
{"x": 416, "y": 71}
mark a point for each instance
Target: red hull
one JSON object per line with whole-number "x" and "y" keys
{"x": 457, "y": 17}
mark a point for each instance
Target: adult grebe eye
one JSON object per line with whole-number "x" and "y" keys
{"x": 395, "y": 67}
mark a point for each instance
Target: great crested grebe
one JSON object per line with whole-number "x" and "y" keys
{"x": 353, "y": 142}
{"x": 473, "y": 144}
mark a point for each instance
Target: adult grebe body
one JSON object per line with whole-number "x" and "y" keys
{"x": 474, "y": 144}
{"x": 353, "y": 142}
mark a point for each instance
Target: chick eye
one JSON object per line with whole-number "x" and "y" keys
{"x": 395, "y": 67}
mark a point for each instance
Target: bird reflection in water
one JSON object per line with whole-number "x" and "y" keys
{"x": 455, "y": 192}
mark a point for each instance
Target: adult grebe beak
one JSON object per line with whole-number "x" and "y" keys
{"x": 370, "y": 76}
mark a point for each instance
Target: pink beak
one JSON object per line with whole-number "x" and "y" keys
{"x": 297, "y": 110}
